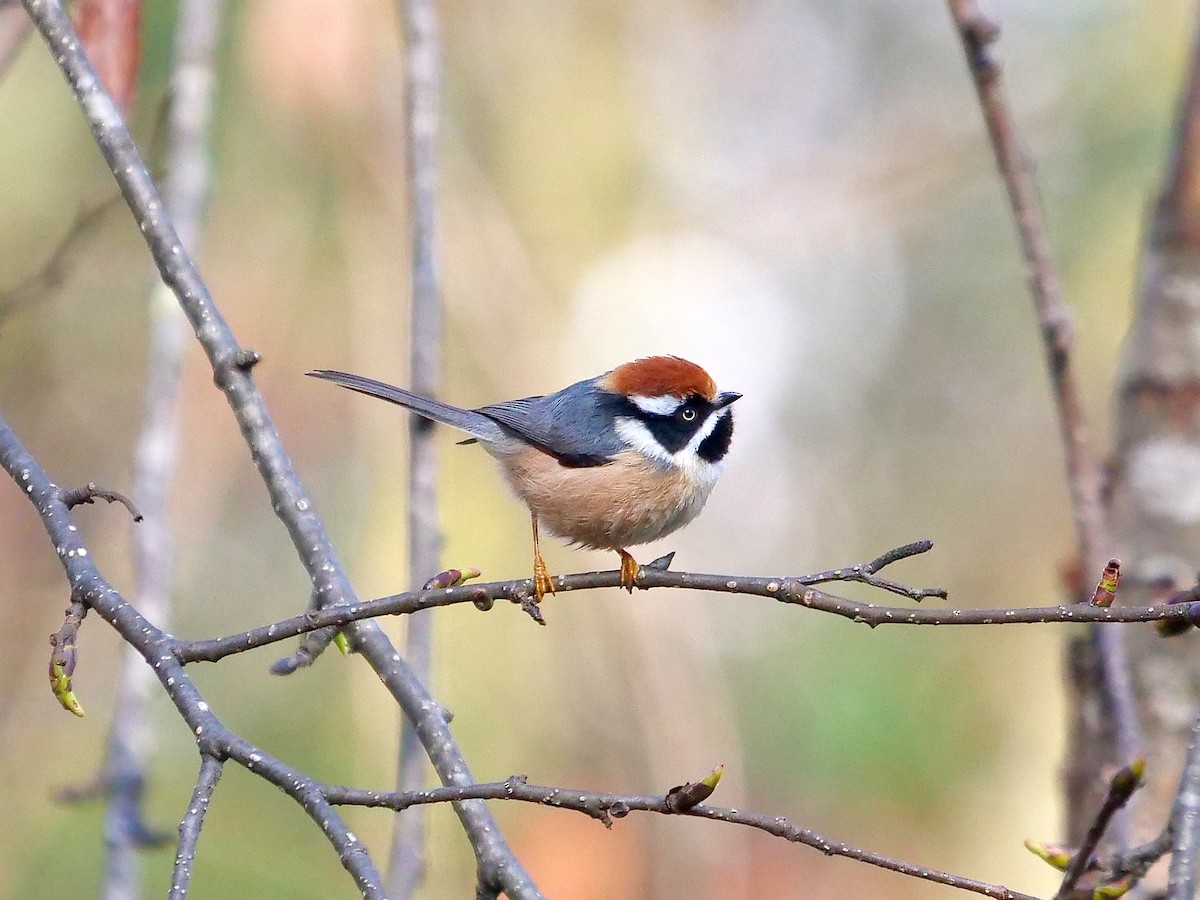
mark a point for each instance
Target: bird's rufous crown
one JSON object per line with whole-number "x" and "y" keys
{"x": 660, "y": 376}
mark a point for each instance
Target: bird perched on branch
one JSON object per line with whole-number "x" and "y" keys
{"x": 617, "y": 460}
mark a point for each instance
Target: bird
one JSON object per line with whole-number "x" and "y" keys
{"x": 621, "y": 459}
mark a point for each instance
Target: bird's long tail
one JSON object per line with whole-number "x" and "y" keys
{"x": 475, "y": 424}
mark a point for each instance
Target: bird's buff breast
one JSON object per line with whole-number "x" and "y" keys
{"x": 628, "y": 501}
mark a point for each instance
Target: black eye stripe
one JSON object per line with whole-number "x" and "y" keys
{"x": 674, "y": 432}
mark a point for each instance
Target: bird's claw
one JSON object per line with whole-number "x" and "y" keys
{"x": 629, "y": 571}
{"x": 543, "y": 581}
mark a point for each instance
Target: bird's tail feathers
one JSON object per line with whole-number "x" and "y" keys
{"x": 475, "y": 424}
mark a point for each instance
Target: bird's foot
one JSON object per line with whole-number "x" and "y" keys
{"x": 543, "y": 581}
{"x": 629, "y": 571}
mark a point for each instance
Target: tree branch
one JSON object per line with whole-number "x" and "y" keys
{"x": 794, "y": 591}
{"x": 604, "y": 807}
{"x": 193, "y": 821}
{"x": 89, "y": 493}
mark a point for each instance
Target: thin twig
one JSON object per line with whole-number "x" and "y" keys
{"x": 289, "y": 499}
{"x": 977, "y": 34}
{"x": 1185, "y": 825}
{"x": 866, "y": 573}
{"x": 89, "y": 493}
{"x": 406, "y": 866}
{"x": 306, "y": 653}
{"x": 131, "y": 740}
{"x": 604, "y": 807}
{"x": 193, "y": 821}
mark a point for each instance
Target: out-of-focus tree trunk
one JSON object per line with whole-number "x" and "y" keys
{"x": 1154, "y": 497}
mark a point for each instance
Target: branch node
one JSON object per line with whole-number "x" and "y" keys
{"x": 979, "y": 33}
{"x": 482, "y": 600}
{"x": 247, "y": 359}
{"x": 530, "y": 605}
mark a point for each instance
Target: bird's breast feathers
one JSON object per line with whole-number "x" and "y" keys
{"x": 630, "y": 500}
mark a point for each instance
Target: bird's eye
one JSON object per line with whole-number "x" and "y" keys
{"x": 688, "y": 414}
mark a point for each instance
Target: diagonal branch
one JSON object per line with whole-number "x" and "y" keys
{"x": 1083, "y": 475}
{"x": 231, "y": 366}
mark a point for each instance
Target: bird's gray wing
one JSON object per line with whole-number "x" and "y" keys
{"x": 573, "y": 425}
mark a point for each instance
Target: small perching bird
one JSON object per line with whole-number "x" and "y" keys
{"x": 617, "y": 460}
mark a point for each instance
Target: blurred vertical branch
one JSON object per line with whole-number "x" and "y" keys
{"x": 1154, "y": 505}
{"x": 422, "y": 88}
{"x": 193, "y": 83}
{"x": 1108, "y": 677}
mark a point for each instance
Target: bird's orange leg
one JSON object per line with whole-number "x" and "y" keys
{"x": 629, "y": 571}
{"x": 543, "y": 583}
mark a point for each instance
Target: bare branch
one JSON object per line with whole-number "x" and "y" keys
{"x": 193, "y": 821}
{"x": 865, "y": 573}
{"x": 977, "y": 34}
{"x": 783, "y": 589}
{"x": 604, "y": 807}
{"x": 89, "y": 494}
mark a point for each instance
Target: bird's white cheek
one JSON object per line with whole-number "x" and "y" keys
{"x": 701, "y": 473}
{"x": 638, "y": 437}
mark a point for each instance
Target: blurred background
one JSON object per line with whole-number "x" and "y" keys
{"x": 795, "y": 194}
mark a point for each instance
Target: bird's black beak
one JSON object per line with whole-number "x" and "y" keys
{"x": 725, "y": 399}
